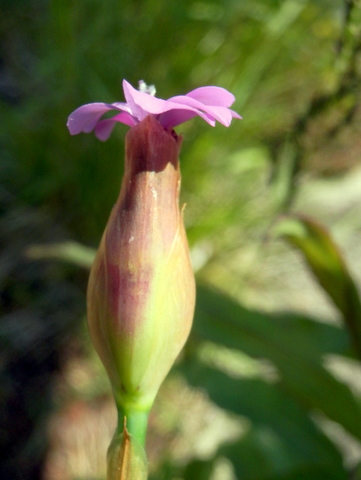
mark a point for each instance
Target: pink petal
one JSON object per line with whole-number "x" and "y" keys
{"x": 212, "y": 96}
{"x": 85, "y": 118}
{"x": 104, "y": 128}
{"x": 142, "y": 104}
{"x": 131, "y": 97}
{"x": 235, "y": 114}
{"x": 173, "y": 118}
{"x": 221, "y": 114}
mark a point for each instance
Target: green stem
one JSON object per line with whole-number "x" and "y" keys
{"x": 137, "y": 423}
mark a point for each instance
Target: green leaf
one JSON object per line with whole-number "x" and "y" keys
{"x": 282, "y": 441}
{"x": 70, "y": 252}
{"x": 291, "y": 346}
{"x": 261, "y": 456}
{"x": 327, "y": 264}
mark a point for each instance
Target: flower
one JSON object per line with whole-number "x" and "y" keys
{"x": 210, "y": 103}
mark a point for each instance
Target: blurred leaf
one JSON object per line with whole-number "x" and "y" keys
{"x": 68, "y": 251}
{"x": 279, "y": 22}
{"x": 261, "y": 456}
{"x": 295, "y": 352}
{"x": 282, "y": 438}
{"x": 326, "y": 262}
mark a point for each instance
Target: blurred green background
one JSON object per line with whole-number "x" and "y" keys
{"x": 269, "y": 384}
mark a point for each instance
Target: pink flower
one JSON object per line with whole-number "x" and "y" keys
{"x": 210, "y": 103}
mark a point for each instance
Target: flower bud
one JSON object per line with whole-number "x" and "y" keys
{"x": 141, "y": 291}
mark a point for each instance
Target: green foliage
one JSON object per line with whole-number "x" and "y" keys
{"x": 278, "y": 410}
{"x": 282, "y": 438}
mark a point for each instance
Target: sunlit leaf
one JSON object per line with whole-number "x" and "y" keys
{"x": 294, "y": 351}
{"x": 281, "y": 441}
{"x": 262, "y": 456}
{"x": 326, "y": 262}
{"x": 70, "y": 252}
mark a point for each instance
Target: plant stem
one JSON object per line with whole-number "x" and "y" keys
{"x": 136, "y": 423}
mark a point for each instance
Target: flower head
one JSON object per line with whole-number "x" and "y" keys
{"x": 210, "y": 103}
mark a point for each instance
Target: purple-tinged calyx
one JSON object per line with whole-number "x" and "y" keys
{"x": 210, "y": 103}
{"x": 141, "y": 289}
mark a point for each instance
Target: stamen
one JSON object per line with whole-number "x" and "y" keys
{"x": 143, "y": 87}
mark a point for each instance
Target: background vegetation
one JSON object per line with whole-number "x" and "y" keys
{"x": 269, "y": 384}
